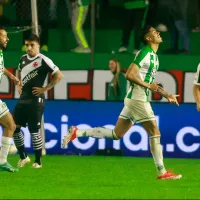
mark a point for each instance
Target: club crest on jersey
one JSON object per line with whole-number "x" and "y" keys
{"x": 35, "y": 64}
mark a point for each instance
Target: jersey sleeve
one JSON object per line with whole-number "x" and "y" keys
{"x": 52, "y": 67}
{"x": 197, "y": 76}
{"x": 140, "y": 58}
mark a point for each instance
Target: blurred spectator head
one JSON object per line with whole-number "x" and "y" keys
{"x": 114, "y": 66}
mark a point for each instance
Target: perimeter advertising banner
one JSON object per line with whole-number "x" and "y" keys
{"x": 93, "y": 85}
{"x": 179, "y": 127}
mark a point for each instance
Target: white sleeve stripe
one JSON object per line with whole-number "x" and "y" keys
{"x": 56, "y": 69}
{"x": 49, "y": 62}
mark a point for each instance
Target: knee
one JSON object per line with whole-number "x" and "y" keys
{"x": 17, "y": 130}
{"x": 155, "y": 132}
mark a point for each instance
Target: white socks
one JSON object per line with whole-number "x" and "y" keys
{"x": 98, "y": 132}
{"x": 156, "y": 151}
{"x": 5, "y": 146}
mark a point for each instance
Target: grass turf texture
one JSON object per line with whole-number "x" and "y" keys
{"x": 73, "y": 177}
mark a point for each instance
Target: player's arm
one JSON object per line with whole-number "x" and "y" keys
{"x": 170, "y": 97}
{"x": 132, "y": 75}
{"x": 11, "y": 76}
{"x": 19, "y": 86}
{"x": 196, "y": 93}
{"x": 57, "y": 77}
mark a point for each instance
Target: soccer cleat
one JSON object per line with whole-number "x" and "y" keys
{"x": 169, "y": 176}
{"x": 36, "y": 166}
{"x": 7, "y": 167}
{"x": 71, "y": 135}
{"x": 23, "y": 162}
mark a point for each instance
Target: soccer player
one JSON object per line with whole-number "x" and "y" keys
{"x": 141, "y": 73}
{"x": 196, "y": 88}
{"x": 6, "y": 119}
{"x": 32, "y": 72}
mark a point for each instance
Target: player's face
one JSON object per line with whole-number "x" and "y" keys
{"x": 32, "y": 48}
{"x": 3, "y": 39}
{"x": 112, "y": 66}
{"x": 154, "y": 36}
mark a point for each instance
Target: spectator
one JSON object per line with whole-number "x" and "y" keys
{"x": 117, "y": 87}
{"x": 136, "y": 11}
{"x": 79, "y": 14}
{"x": 178, "y": 28}
{"x": 197, "y": 29}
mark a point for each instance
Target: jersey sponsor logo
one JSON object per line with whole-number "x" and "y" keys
{"x": 29, "y": 77}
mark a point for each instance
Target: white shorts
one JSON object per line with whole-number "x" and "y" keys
{"x": 137, "y": 111}
{"x": 3, "y": 109}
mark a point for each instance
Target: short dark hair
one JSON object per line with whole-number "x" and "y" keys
{"x": 33, "y": 37}
{"x": 145, "y": 30}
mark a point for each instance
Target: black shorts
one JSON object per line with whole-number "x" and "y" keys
{"x": 29, "y": 114}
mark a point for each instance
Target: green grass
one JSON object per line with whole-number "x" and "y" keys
{"x": 71, "y": 177}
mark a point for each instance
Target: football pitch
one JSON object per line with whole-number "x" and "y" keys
{"x": 93, "y": 177}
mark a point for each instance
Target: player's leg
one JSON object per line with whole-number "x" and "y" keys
{"x": 155, "y": 146}
{"x": 123, "y": 124}
{"x": 19, "y": 143}
{"x": 156, "y": 150}
{"x": 148, "y": 121}
{"x": 8, "y": 125}
{"x": 34, "y": 125}
{"x": 20, "y": 117}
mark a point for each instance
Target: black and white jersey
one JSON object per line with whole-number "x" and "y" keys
{"x": 197, "y": 76}
{"x": 34, "y": 72}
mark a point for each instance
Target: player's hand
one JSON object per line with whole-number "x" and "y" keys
{"x": 38, "y": 90}
{"x": 172, "y": 98}
{"x": 154, "y": 87}
{"x": 19, "y": 88}
{"x": 198, "y": 107}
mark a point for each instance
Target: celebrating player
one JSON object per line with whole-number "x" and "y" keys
{"x": 137, "y": 108}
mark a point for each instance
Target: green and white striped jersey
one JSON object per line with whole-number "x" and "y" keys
{"x": 1, "y": 64}
{"x": 197, "y": 76}
{"x": 148, "y": 64}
